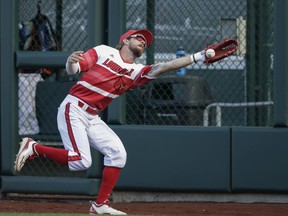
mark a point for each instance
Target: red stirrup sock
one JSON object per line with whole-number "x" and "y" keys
{"x": 58, "y": 155}
{"x": 110, "y": 176}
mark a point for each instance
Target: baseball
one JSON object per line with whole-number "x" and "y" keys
{"x": 210, "y": 53}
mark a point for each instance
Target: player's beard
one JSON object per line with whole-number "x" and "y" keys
{"x": 136, "y": 50}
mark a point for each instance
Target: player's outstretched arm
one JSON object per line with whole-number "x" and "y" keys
{"x": 209, "y": 55}
{"x": 177, "y": 63}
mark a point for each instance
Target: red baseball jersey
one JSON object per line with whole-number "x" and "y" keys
{"x": 107, "y": 76}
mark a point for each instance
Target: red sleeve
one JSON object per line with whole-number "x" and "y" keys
{"x": 90, "y": 57}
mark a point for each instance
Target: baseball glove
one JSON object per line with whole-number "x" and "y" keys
{"x": 222, "y": 50}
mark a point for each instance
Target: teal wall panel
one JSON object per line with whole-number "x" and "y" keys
{"x": 259, "y": 159}
{"x": 175, "y": 158}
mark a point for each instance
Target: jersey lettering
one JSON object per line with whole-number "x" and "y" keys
{"x": 117, "y": 68}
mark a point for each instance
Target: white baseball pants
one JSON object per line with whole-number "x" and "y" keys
{"x": 79, "y": 130}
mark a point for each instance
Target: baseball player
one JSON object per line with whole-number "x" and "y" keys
{"x": 107, "y": 73}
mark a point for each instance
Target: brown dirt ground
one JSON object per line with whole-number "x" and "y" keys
{"x": 59, "y": 205}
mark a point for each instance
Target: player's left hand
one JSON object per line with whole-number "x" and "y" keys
{"x": 222, "y": 50}
{"x": 76, "y": 57}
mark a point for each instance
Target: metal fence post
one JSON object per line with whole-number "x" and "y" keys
{"x": 96, "y": 31}
{"x": 264, "y": 56}
{"x": 8, "y": 86}
{"x": 280, "y": 64}
{"x": 258, "y": 58}
{"x": 150, "y": 10}
{"x": 116, "y": 27}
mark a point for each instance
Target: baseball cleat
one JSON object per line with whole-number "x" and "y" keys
{"x": 104, "y": 208}
{"x": 25, "y": 152}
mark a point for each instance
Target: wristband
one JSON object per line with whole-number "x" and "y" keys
{"x": 193, "y": 60}
{"x": 199, "y": 56}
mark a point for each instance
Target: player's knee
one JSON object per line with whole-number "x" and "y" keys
{"x": 85, "y": 164}
{"x": 81, "y": 164}
{"x": 121, "y": 157}
{"x": 116, "y": 158}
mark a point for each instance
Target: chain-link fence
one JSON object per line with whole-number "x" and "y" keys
{"x": 234, "y": 92}
{"x": 222, "y": 92}
{"x": 47, "y": 25}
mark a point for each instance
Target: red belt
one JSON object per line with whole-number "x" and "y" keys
{"x": 88, "y": 109}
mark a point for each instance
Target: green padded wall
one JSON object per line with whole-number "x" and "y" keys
{"x": 259, "y": 159}
{"x": 175, "y": 158}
